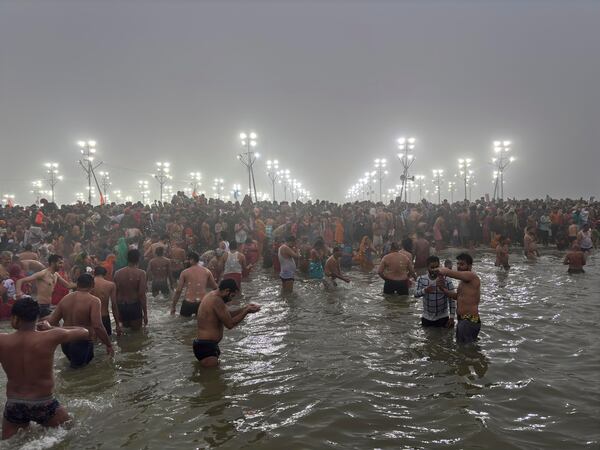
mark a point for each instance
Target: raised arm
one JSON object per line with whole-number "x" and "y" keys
{"x": 65, "y": 283}
{"x": 465, "y": 275}
{"x": 20, "y": 281}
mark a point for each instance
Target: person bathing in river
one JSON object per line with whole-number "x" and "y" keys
{"x": 575, "y": 258}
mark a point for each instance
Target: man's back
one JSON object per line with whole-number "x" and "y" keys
{"x": 210, "y": 326}
{"x": 76, "y": 308}
{"x": 103, "y": 289}
{"x": 396, "y": 266}
{"x": 195, "y": 279}
{"x": 130, "y": 281}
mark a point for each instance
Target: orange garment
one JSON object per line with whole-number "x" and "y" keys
{"x": 109, "y": 265}
{"x": 339, "y": 232}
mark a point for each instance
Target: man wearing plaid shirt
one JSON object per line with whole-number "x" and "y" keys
{"x": 436, "y": 304}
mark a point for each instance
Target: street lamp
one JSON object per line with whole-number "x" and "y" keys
{"x": 285, "y": 180}
{"x": 237, "y": 190}
{"x": 218, "y": 187}
{"x": 380, "y": 165}
{"x": 437, "y": 177}
{"x": 162, "y": 175}
{"x": 501, "y": 162}
{"x": 105, "y": 184}
{"x": 406, "y": 146}
{"x": 420, "y": 179}
{"x": 37, "y": 190}
{"x": 144, "y": 191}
{"x": 88, "y": 150}
{"x": 53, "y": 177}
{"x": 248, "y": 157}
{"x": 195, "y": 182}
{"x": 451, "y": 189}
{"x": 465, "y": 172}
{"x": 273, "y": 173}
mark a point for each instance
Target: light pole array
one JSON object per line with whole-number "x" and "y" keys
{"x": 218, "y": 187}
{"x": 105, "y": 184}
{"x": 162, "y": 175}
{"x": 437, "y": 179}
{"x": 37, "y": 190}
{"x": 248, "y": 158}
{"x": 501, "y": 162}
{"x": 53, "y": 177}
{"x": 144, "y": 191}
{"x": 420, "y": 179}
{"x": 464, "y": 165}
{"x": 452, "y": 189}
{"x": 195, "y": 182}
{"x": 273, "y": 173}
{"x": 88, "y": 150}
{"x": 406, "y": 146}
{"x": 285, "y": 180}
{"x": 380, "y": 165}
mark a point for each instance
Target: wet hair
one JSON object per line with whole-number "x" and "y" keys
{"x": 100, "y": 271}
{"x": 26, "y": 309}
{"x": 394, "y": 246}
{"x": 407, "y": 244}
{"x": 159, "y": 251}
{"x": 466, "y": 258}
{"x": 432, "y": 259}
{"x": 85, "y": 281}
{"x": 193, "y": 256}
{"x": 133, "y": 256}
{"x": 228, "y": 283}
{"x": 54, "y": 259}
{"x": 233, "y": 245}
{"x": 28, "y": 247}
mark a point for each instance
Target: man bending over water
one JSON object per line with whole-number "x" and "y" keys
{"x": 27, "y": 357}
{"x": 467, "y": 297}
{"x": 212, "y": 316}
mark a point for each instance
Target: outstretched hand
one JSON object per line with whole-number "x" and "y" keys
{"x": 253, "y": 308}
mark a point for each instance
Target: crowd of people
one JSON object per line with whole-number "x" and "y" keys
{"x": 64, "y": 270}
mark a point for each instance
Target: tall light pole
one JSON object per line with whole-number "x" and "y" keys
{"x": 53, "y": 177}
{"x": 285, "y": 181}
{"x": 451, "y": 189}
{"x": 105, "y": 183}
{"x": 406, "y": 146}
{"x": 88, "y": 150}
{"x": 162, "y": 175}
{"x": 236, "y": 191}
{"x": 248, "y": 158}
{"x": 501, "y": 162}
{"x": 273, "y": 173}
{"x": 464, "y": 165}
{"x": 380, "y": 165}
{"x": 420, "y": 179}
{"x": 195, "y": 182}
{"x": 218, "y": 187}
{"x": 37, "y": 190}
{"x": 437, "y": 178}
{"x": 144, "y": 191}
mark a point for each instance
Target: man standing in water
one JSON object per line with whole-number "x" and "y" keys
{"x": 575, "y": 258}
{"x": 213, "y": 315}
{"x": 106, "y": 291}
{"x": 81, "y": 309}
{"x": 333, "y": 270}
{"x": 45, "y": 280}
{"x": 502, "y": 253}
{"x": 131, "y": 292}
{"x": 435, "y": 302}
{"x": 529, "y": 245}
{"x": 395, "y": 269}
{"x": 421, "y": 248}
{"x": 467, "y": 297}
{"x": 195, "y": 279}
{"x": 287, "y": 256}
{"x": 159, "y": 273}
{"x": 27, "y": 357}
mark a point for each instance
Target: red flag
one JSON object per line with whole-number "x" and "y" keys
{"x": 102, "y": 201}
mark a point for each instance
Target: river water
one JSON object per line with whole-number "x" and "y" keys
{"x": 352, "y": 369}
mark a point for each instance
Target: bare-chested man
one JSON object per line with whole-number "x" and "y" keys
{"x": 195, "y": 279}
{"x": 27, "y": 357}
{"x": 502, "y": 253}
{"x": 28, "y": 253}
{"x": 81, "y": 309}
{"x": 529, "y": 244}
{"x": 213, "y": 315}
{"x": 287, "y": 256}
{"x": 159, "y": 273}
{"x": 106, "y": 291}
{"x": 333, "y": 270}
{"x": 395, "y": 269}
{"x": 131, "y": 292}
{"x": 467, "y": 297}
{"x": 575, "y": 258}
{"x": 422, "y": 249}
{"x": 177, "y": 254}
{"x": 45, "y": 280}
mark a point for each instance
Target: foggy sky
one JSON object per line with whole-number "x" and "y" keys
{"x": 328, "y": 87}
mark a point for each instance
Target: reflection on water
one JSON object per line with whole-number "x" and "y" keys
{"x": 351, "y": 368}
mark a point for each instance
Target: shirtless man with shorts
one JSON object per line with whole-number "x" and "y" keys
{"x": 159, "y": 273}
{"x": 213, "y": 315}
{"x": 395, "y": 269}
{"x": 45, "y": 280}
{"x": 467, "y": 298}
{"x": 27, "y": 357}
{"x": 529, "y": 245}
{"x": 502, "y": 253}
{"x": 575, "y": 258}
{"x": 81, "y": 309}
{"x": 195, "y": 279}
{"x": 106, "y": 291}
{"x": 333, "y": 270}
{"x": 287, "y": 256}
{"x": 131, "y": 292}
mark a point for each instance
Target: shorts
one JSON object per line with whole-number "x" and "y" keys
{"x": 467, "y": 329}
{"x": 286, "y": 280}
{"x": 160, "y": 286}
{"x": 129, "y": 312}
{"x": 21, "y": 412}
{"x": 434, "y": 323}
{"x": 45, "y": 309}
{"x": 106, "y": 323}
{"x": 399, "y": 287}
{"x": 189, "y": 308}
{"x": 206, "y": 349}
{"x": 79, "y": 353}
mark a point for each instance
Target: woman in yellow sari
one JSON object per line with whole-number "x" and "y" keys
{"x": 364, "y": 257}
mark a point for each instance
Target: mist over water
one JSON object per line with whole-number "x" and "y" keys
{"x": 353, "y": 369}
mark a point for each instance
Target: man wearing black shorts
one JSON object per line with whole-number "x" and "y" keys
{"x": 131, "y": 292}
